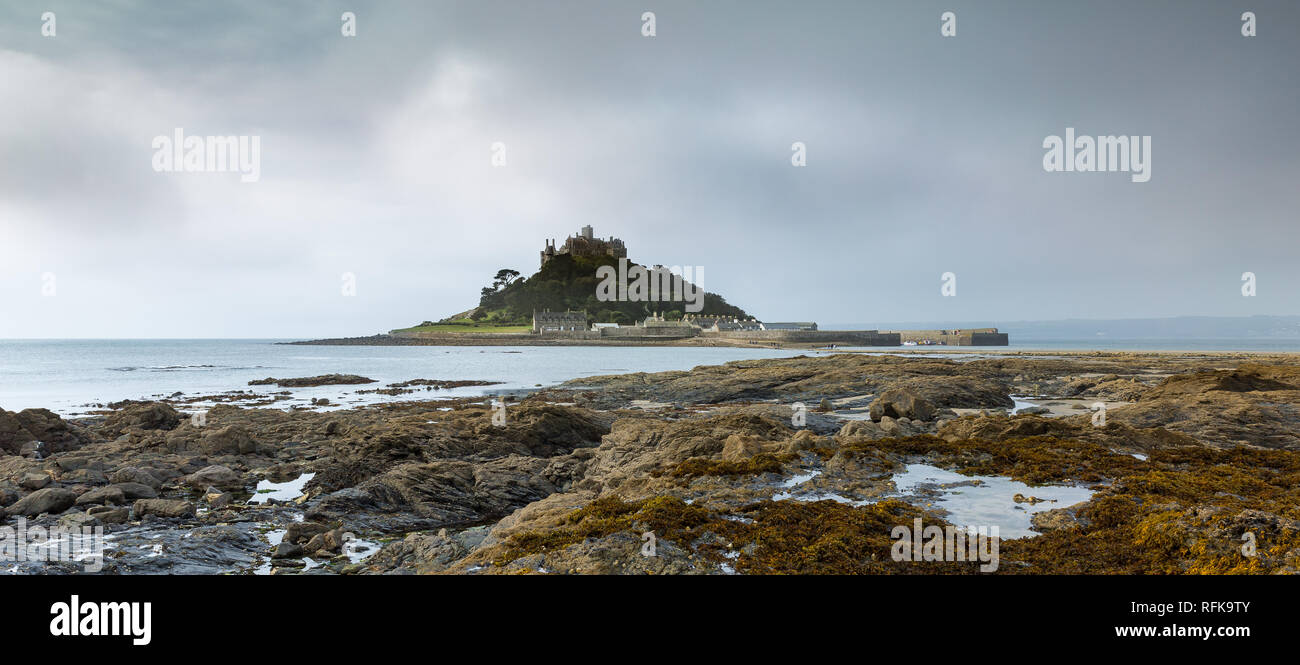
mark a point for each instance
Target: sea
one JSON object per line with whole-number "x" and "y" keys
{"x": 78, "y": 376}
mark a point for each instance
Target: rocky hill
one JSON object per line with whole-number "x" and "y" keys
{"x": 570, "y": 283}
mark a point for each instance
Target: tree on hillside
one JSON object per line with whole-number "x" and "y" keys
{"x": 502, "y": 279}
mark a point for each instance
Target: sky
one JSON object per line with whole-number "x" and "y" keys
{"x": 924, "y": 156}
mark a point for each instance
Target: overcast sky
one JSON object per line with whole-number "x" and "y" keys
{"x": 924, "y": 156}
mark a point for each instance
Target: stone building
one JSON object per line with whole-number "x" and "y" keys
{"x": 548, "y": 321}
{"x": 585, "y": 244}
{"x": 657, "y": 320}
{"x": 722, "y": 323}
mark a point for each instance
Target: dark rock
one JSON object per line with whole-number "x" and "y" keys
{"x": 84, "y": 476}
{"x": 75, "y": 520}
{"x": 299, "y": 532}
{"x": 163, "y": 508}
{"x": 132, "y": 474}
{"x": 48, "y": 500}
{"x": 329, "y": 541}
{"x": 218, "y": 476}
{"x": 12, "y": 434}
{"x": 103, "y": 495}
{"x": 323, "y": 380}
{"x": 219, "y": 501}
{"x": 144, "y": 416}
{"x": 34, "y": 480}
{"x": 287, "y": 550}
{"x": 229, "y": 440}
{"x": 110, "y": 515}
{"x": 136, "y": 491}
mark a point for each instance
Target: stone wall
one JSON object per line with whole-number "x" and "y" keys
{"x": 963, "y": 337}
{"x": 841, "y": 337}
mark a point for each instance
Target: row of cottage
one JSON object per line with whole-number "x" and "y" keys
{"x": 554, "y": 322}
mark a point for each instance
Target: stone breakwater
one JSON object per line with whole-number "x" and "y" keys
{"x": 799, "y": 465}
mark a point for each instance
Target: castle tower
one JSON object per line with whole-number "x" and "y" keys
{"x": 585, "y": 243}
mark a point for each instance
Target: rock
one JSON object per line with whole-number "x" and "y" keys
{"x": 48, "y": 500}
{"x": 901, "y": 403}
{"x": 329, "y": 541}
{"x": 287, "y": 550}
{"x": 75, "y": 521}
{"x": 132, "y": 491}
{"x": 103, "y": 495}
{"x": 12, "y": 434}
{"x": 806, "y": 440}
{"x": 34, "y": 480}
{"x": 163, "y": 508}
{"x": 229, "y": 440}
{"x": 220, "y": 501}
{"x": 298, "y": 532}
{"x": 214, "y": 476}
{"x": 1247, "y": 378}
{"x": 110, "y": 515}
{"x": 860, "y": 428}
{"x": 143, "y": 416}
{"x": 84, "y": 476}
{"x": 131, "y": 474}
{"x": 1031, "y": 500}
{"x": 958, "y": 392}
{"x": 740, "y": 447}
{"x": 322, "y": 380}
{"x": 1034, "y": 411}
{"x": 1056, "y": 518}
{"x": 40, "y": 431}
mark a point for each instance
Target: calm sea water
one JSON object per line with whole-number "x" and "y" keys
{"x": 71, "y": 376}
{"x": 67, "y": 376}
{"x": 1258, "y": 345}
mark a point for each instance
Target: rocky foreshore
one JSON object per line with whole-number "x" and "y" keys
{"x": 1119, "y": 462}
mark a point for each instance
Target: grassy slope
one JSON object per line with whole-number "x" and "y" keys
{"x": 465, "y": 326}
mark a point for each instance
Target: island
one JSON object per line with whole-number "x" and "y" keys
{"x": 562, "y": 304}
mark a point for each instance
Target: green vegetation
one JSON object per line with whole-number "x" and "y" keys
{"x": 569, "y": 283}
{"x": 465, "y": 326}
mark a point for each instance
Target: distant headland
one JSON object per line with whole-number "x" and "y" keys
{"x": 587, "y": 292}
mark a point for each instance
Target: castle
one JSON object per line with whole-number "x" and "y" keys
{"x": 585, "y": 244}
